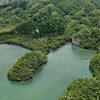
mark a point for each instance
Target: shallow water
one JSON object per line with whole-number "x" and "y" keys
{"x": 65, "y": 65}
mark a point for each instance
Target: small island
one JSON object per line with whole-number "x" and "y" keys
{"x": 25, "y": 67}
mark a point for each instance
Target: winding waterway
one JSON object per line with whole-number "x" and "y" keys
{"x": 64, "y": 65}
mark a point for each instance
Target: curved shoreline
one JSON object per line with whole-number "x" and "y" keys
{"x": 76, "y": 87}
{"x": 61, "y": 42}
{"x": 22, "y": 45}
{"x": 16, "y": 44}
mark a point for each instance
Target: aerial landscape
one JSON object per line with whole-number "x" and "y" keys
{"x": 49, "y": 49}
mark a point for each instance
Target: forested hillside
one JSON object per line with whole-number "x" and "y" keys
{"x": 50, "y": 17}
{"x": 45, "y": 25}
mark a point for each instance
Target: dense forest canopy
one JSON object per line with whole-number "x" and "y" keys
{"x": 51, "y": 17}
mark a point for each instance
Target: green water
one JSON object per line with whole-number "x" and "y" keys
{"x": 65, "y": 65}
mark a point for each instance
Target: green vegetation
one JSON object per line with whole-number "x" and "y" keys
{"x": 45, "y": 44}
{"x": 25, "y": 67}
{"x": 95, "y": 65}
{"x": 45, "y": 21}
{"x": 38, "y": 18}
{"x": 35, "y": 18}
{"x": 86, "y": 89}
{"x": 89, "y": 39}
{"x": 83, "y": 89}
{"x": 45, "y": 25}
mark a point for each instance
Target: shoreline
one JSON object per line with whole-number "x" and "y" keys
{"x": 13, "y": 43}
{"x": 51, "y": 50}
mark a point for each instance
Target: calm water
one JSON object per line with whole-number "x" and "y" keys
{"x": 65, "y": 65}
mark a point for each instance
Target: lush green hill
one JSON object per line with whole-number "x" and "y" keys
{"x": 47, "y": 20}
{"x": 79, "y": 18}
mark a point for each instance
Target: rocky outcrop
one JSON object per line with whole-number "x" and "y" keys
{"x": 75, "y": 41}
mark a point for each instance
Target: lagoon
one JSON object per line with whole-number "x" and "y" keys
{"x": 64, "y": 66}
